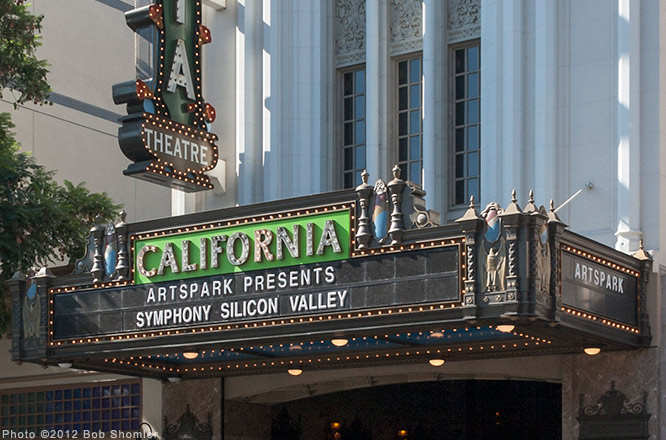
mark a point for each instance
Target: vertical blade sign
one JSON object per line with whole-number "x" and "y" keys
{"x": 166, "y": 131}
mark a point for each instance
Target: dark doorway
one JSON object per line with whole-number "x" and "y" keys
{"x": 460, "y": 410}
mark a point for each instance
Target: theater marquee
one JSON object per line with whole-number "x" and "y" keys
{"x": 257, "y": 288}
{"x": 253, "y": 271}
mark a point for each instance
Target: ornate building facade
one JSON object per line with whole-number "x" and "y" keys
{"x": 481, "y": 99}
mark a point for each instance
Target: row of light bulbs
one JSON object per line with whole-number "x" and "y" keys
{"x": 434, "y": 361}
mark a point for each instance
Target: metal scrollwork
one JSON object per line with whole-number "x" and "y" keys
{"x": 614, "y": 403}
{"x": 188, "y": 427}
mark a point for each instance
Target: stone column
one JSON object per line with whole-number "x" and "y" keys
{"x": 376, "y": 67}
{"x": 628, "y": 125}
{"x": 311, "y": 95}
{"x": 249, "y": 42}
{"x": 545, "y": 96}
{"x": 430, "y": 92}
{"x": 503, "y": 94}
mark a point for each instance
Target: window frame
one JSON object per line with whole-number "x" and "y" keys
{"x": 395, "y": 115}
{"x": 452, "y": 126}
{"x": 340, "y": 125}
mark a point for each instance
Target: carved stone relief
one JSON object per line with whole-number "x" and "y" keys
{"x": 543, "y": 261}
{"x": 464, "y": 20}
{"x": 406, "y": 26}
{"x": 493, "y": 251}
{"x": 350, "y": 31}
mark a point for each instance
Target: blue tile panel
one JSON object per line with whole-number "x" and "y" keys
{"x": 103, "y": 407}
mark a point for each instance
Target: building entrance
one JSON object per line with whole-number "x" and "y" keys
{"x": 461, "y": 410}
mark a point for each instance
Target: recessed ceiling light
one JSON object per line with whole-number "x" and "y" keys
{"x": 436, "y": 362}
{"x": 339, "y": 342}
{"x": 295, "y": 371}
{"x": 505, "y": 328}
{"x": 592, "y": 351}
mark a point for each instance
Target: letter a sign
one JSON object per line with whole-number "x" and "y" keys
{"x": 166, "y": 131}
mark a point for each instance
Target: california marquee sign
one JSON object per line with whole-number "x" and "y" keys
{"x": 256, "y": 288}
{"x": 166, "y": 130}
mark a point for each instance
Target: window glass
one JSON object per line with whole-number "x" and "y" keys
{"x": 410, "y": 115}
{"x": 353, "y": 120}
{"x": 467, "y": 123}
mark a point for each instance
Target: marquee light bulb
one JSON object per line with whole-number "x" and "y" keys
{"x": 190, "y": 354}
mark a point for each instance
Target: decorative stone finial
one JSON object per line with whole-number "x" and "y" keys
{"x": 513, "y": 207}
{"x": 396, "y": 171}
{"x": 470, "y": 213}
{"x": 122, "y": 266}
{"x": 364, "y": 193}
{"x": 552, "y": 215}
{"x": 531, "y": 207}
{"x": 641, "y": 253}
{"x": 395, "y": 188}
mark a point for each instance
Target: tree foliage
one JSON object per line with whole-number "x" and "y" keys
{"x": 20, "y": 69}
{"x": 40, "y": 220}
